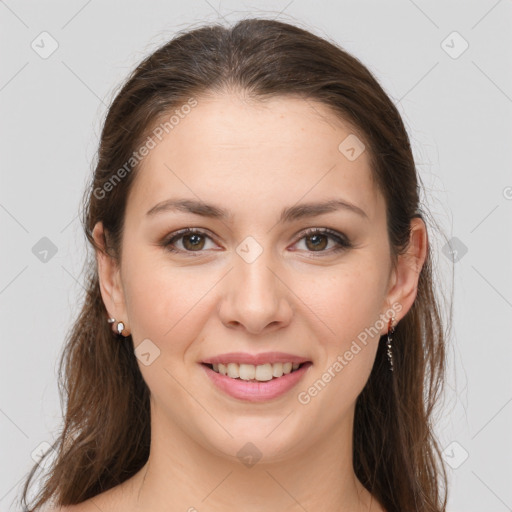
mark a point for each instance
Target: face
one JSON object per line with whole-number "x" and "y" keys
{"x": 267, "y": 276}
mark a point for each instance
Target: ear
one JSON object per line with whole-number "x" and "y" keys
{"x": 109, "y": 274}
{"x": 404, "y": 280}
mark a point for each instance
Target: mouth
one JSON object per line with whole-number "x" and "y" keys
{"x": 256, "y": 373}
{"x": 256, "y": 383}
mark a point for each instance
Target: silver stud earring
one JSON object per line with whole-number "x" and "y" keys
{"x": 391, "y": 330}
{"x": 119, "y": 327}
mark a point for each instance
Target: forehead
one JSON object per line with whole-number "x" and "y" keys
{"x": 243, "y": 151}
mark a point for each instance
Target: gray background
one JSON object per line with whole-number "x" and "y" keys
{"x": 457, "y": 109}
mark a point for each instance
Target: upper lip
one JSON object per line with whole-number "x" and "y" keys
{"x": 255, "y": 359}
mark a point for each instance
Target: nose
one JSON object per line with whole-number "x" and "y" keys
{"x": 256, "y": 298}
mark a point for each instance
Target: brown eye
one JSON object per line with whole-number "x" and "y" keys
{"x": 192, "y": 241}
{"x": 318, "y": 242}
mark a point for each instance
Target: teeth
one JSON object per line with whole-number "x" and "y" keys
{"x": 233, "y": 371}
{"x": 262, "y": 372}
{"x": 246, "y": 371}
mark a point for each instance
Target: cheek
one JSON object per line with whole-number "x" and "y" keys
{"x": 350, "y": 304}
{"x": 347, "y": 308}
{"x": 347, "y": 299}
{"x": 169, "y": 307}
{"x": 165, "y": 304}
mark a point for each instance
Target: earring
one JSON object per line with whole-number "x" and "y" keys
{"x": 391, "y": 330}
{"x": 119, "y": 327}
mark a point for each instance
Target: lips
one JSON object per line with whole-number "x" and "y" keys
{"x": 255, "y": 359}
{"x": 253, "y": 390}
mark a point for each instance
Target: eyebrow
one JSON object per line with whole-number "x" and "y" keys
{"x": 288, "y": 214}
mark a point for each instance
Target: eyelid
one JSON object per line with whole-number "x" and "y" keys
{"x": 342, "y": 241}
{"x": 176, "y": 235}
{"x": 337, "y": 235}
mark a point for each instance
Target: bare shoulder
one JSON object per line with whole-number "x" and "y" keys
{"x": 117, "y": 498}
{"x": 86, "y": 506}
{"x": 111, "y": 500}
{"x": 90, "y": 505}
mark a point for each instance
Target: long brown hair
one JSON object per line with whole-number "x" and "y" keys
{"x": 106, "y": 433}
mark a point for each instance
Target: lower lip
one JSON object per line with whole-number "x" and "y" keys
{"x": 256, "y": 391}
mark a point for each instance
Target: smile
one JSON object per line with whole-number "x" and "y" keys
{"x": 255, "y": 383}
{"x": 262, "y": 372}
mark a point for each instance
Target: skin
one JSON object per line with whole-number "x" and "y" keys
{"x": 253, "y": 158}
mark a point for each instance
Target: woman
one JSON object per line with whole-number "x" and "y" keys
{"x": 261, "y": 329}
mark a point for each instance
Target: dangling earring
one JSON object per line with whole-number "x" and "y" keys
{"x": 391, "y": 330}
{"x": 119, "y": 327}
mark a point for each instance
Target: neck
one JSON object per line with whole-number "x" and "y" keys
{"x": 183, "y": 475}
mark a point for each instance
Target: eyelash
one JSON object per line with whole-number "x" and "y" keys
{"x": 342, "y": 241}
